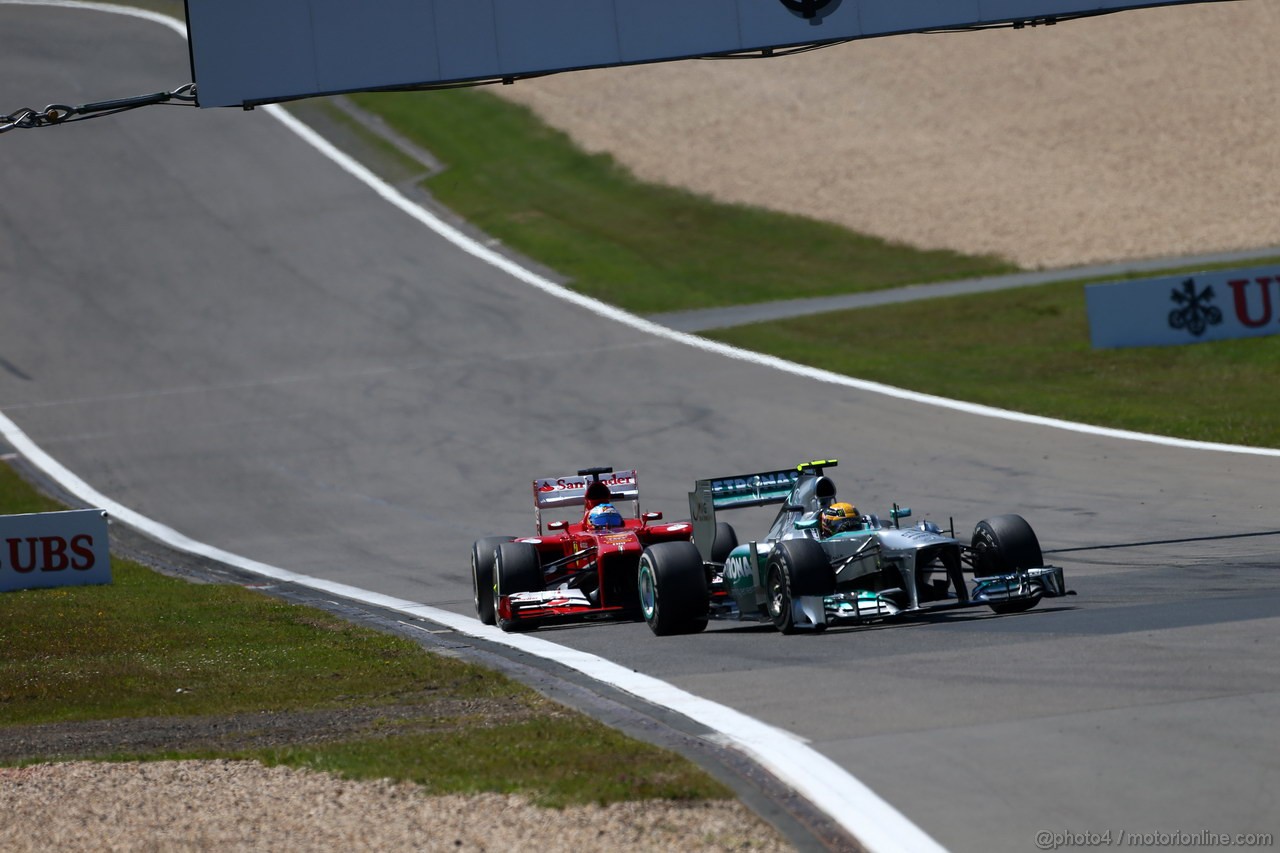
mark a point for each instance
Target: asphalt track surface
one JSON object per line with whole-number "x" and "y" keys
{"x": 213, "y": 325}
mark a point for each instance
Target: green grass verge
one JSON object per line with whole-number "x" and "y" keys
{"x": 148, "y": 646}
{"x": 643, "y": 247}
{"x": 151, "y": 645}
{"x": 1028, "y": 350}
{"x": 556, "y": 761}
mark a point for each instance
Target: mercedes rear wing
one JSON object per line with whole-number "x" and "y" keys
{"x": 739, "y": 492}
{"x": 570, "y": 490}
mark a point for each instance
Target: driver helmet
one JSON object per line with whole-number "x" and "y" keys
{"x": 837, "y": 518}
{"x": 604, "y": 515}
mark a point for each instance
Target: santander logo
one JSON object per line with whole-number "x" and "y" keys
{"x": 565, "y": 484}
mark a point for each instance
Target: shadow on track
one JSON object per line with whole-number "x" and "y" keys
{"x": 1219, "y": 538}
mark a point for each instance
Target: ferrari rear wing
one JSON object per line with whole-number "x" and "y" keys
{"x": 741, "y": 491}
{"x": 571, "y": 490}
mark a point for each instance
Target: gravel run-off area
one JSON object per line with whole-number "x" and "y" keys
{"x": 1146, "y": 133}
{"x": 242, "y": 806}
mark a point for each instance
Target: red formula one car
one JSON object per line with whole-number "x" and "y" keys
{"x": 576, "y": 570}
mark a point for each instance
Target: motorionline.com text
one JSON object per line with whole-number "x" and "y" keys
{"x": 1049, "y": 840}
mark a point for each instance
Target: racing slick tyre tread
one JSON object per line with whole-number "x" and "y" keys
{"x": 726, "y": 541}
{"x": 517, "y": 569}
{"x": 796, "y": 567}
{"x": 482, "y": 578}
{"x": 1004, "y": 544}
{"x": 673, "y": 592}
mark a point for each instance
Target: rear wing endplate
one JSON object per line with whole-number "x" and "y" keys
{"x": 571, "y": 490}
{"x": 739, "y": 492}
{"x": 550, "y": 492}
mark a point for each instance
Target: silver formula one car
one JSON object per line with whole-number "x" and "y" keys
{"x": 823, "y": 563}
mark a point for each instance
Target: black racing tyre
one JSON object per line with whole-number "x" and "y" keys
{"x": 726, "y": 541}
{"x": 674, "y": 598}
{"x": 1004, "y": 544}
{"x": 796, "y": 567}
{"x": 516, "y": 569}
{"x": 482, "y": 578}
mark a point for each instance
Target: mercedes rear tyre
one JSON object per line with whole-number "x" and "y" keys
{"x": 674, "y": 597}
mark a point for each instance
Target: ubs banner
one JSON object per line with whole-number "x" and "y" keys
{"x": 1185, "y": 309}
{"x": 54, "y": 549}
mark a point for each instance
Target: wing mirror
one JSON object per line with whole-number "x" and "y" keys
{"x": 652, "y": 516}
{"x": 557, "y": 525}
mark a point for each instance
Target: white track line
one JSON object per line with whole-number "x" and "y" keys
{"x": 844, "y": 798}
{"x": 470, "y": 246}
{"x": 850, "y": 803}
{"x": 179, "y": 27}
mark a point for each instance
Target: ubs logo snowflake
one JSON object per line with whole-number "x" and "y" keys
{"x": 1195, "y": 314}
{"x": 810, "y": 8}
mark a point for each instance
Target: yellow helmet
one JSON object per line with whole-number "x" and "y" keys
{"x": 837, "y": 518}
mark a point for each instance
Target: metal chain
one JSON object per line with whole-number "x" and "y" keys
{"x": 62, "y": 113}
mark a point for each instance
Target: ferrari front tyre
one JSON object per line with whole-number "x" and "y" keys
{"x": 516, "y": 569}
{"x": 674, "y": 598}
{"x": 483, "y": 553}
{"x": 796, "y": 567}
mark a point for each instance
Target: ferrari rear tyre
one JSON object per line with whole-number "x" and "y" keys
{"x": 483, "y": 553}
{"x": 1004, "y": 544}
{"x": 674, "y": 597}
{"x": 516, "y": 569}
{"x": 797, "y": 567}
{"x": 726, "y": 541}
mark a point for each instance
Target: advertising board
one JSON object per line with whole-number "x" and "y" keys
{"x": 50, "y": 549}
{"x": 1185, "y": 309}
